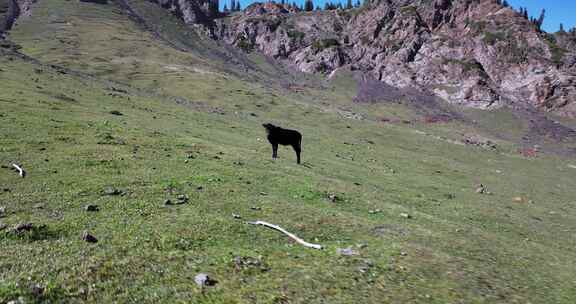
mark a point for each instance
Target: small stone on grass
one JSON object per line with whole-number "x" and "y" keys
{"x": 347, "y": 251}
{"x": 203, "y": 279}
{"x": 91, "y": 208}
{"x": 182, "y": 199}
{"x": 22, "y": 227}
{"x": 112, "y": 191}
{"x": 89, "y": 238}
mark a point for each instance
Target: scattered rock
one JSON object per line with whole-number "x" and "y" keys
{"x": 37, "y": 290}
{"x": 403, "y": 253}
{"x": 203, "y": 279}
{"x": 236, "y": 216}
{"x": 182, "y": 199}
{"x": 89, "y": 238}
{"x": 38, "y": 206}
{"x": 374, "y": 211}
{"x": 245, "y": 263}
{"x": 112, "y": 191}
{"x": 475, "y": 140}
{"x": 255, "y": 208}
{"x": 117, "y": 113}
{"x": 23, "y": 227}
{"x": 333, "y": 197}
{"x": 450, "y": 196}
{"x": 91, "y": 208}
{"x": 481, "y": 189}
{"x": 366, "y": 266}
{"x": 2, "y": 212}
{"x": 347, "y": 251}
{"x": 3, "y": 226}
{"x": 263, "y": 193}
{"x": 405, "y": 215}
{"x": 199, "y": 188}
{"x": 518, "y": 199}
{"x": 167, "y": 202}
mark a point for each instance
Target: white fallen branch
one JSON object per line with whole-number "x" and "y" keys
{"x": 21, "y": 171}
{"x": 292, "y": 236}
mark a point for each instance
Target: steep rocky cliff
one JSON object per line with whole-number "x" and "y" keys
{"x": 191, "y": 11}
{"x": 476, "y": 53}
{"x": 8, "y": 13}
{"x": 10, "y": 10}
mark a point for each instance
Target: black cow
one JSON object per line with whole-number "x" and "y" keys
{"x": 285, "y": 137}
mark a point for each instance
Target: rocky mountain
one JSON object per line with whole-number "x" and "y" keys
{"x": 10, "y": 10}
{"x": 476, "y": 53}
{"x": 191, "y": 11}
{"x": 8, "y": 15}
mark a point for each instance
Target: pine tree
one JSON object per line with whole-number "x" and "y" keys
{"x": 505, "y": 3}
{"x": 232, "y": 5}
{"x": 540, "y": 19}
{"x": 308, "y": 5}
{"x": 213, "y": 7}
{"x": 225, "y": 8}
{"x": 358, "y": 4}
{"x": 562, "y": 28}
{"x": 349, "y": 4}
{"x": 238, "y": 6}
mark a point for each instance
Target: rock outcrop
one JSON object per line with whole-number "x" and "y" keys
{"x": 191, "y": 11}
{"x": 10, "y": 10}
{"x": 475, "y": 53}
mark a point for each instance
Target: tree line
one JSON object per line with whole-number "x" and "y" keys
{"x": 307, "y": 5}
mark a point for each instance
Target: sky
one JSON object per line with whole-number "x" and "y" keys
{"x": 557, "y": 11}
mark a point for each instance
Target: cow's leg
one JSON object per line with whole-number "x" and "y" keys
{"x": 297, "y": 150}
{"x": 274, "y": 150}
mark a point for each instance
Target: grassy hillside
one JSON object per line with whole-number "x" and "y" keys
{"x": 190, "y": 128}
